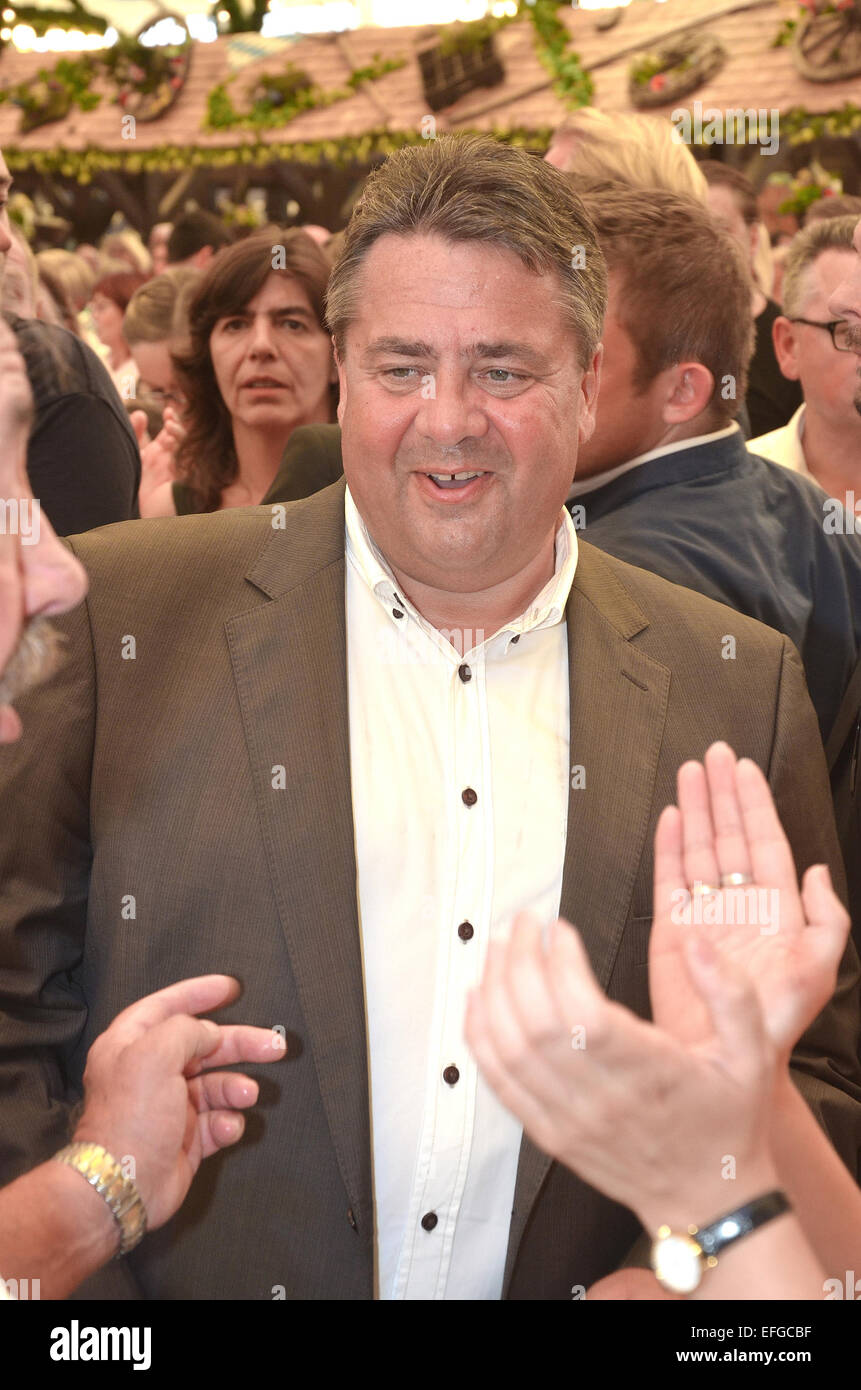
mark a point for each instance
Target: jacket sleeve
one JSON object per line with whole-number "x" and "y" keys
{"x": 825, "y": 1064}
{"x": 45, "y": 859}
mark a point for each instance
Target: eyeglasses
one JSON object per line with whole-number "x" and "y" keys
{"x": 842, "y": 333}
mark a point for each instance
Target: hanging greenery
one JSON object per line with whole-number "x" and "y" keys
{"x": 75, "y": 17}
{"x": 234, "y": 17}
{"x": 276, "y": 98}
{"x": 359, "y": 150}
{"x": 53, "y": 93}
{"x": 572, "y": 84}
{"x": 800, "y": 127}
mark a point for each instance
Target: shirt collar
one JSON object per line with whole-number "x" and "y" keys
{"x": 545, "y": 610}
{"x": 600, "y": 479}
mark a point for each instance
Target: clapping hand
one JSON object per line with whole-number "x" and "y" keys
{"x": 726, "y": 831}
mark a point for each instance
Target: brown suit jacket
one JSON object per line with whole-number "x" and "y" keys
{"x": 147, "y": 837}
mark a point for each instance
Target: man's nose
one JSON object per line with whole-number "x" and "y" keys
{"x": 54, "y": 579}
{"x": 448, "y": 411}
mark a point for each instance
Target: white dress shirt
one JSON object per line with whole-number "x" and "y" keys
{"x": 437, "y": 878}
{"x": 784, "y": 445}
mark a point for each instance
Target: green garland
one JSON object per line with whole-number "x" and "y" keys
{"x": 296, "y": 94}
{"x": 800, "y": 127}
{"x": 53, "y": 93}
{"x": 354, "y": 149}
{"x": 573, "y": 85}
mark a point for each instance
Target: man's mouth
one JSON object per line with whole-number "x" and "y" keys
{"x": 267, "y": 382}
{"x": 454, "y": 480}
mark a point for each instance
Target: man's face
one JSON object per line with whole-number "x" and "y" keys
{"x": 726, "y": 213}
{"x": 845, "y": 302}
{"x": 272, "y": 361}
{"x": 39, "y": 577}
{"x": 5, "y": 237}
{"x": 628, "y": 422}
{"x": 460, "y": 360}
{"x": 830, "y": 379}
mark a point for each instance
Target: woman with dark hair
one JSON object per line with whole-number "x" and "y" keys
{"x": 110, "y": 300}
{"x": 257, "y": 365}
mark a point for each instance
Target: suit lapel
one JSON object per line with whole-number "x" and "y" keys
{"x": 618, "y": 703}
{"x": 289, "y": 664}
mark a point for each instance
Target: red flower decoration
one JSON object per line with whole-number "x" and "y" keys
{"x": 658, "y": 82}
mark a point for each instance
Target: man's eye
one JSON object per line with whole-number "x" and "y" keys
{"x": 230, "y": 324}
{"x": 503, "y": 376}
{"x": 292, "y": 323}
{"x": 396, "y": 373}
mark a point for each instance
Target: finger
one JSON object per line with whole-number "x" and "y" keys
{"x": 829, "y": 922}
{"x": 11, "y": 727}
{"x": 771, "y": 858}
{"x": 223, "y": 1090}
{"x": 698, "y": 841}
{"x": 669, "y": 876}
{"x": 577, "y": 995}
{"x": 218, "y": 1129}
{"x": 520, "y": 1100}
{"x": 527, "y": 983}
{"x": 197, "y": 995}
{"x": 733, "y": 856}
{"x": 733, "y": 1007}
{"x": 240, "y": 1042}
{"x": 139, "y": 424}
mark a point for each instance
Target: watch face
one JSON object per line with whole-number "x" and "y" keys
{"x": 676, "y": 1262}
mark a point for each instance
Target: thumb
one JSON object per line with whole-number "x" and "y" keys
{"x": 825, "y": 914}
{"x": 139, "y": 425}
{"x": 731, "y": 1002}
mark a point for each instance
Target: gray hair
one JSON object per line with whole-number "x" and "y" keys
{"x": 828, "y": 234}
{"x": 472, "y": 188}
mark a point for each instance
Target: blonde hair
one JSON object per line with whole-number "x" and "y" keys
{"x": 128, "y": 248}
{"x": 157, "y": 312}
{"x": 68, "y": 273}
{"x": 641, "y": 151}
{"x": 831, "y": 234}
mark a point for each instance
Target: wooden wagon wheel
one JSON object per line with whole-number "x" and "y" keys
{"x": 170, "y": 69}
{"x": 827, "y": 47}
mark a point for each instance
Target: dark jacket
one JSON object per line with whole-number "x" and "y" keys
{"x": 83, "y": 460}
{"x": 749, "y": 533}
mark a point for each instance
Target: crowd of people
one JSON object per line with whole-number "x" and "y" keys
{"x": 470, "y": 675}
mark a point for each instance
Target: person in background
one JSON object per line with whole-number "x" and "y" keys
{"x": 70, "y": 283}
{"x": 666, "y": 482}
{"x": 196, "y": 238}
{"x": 82, "y": 454}
{"x": 838, "y": 205}
{"x": 20, "y": 290}
{"x": 771, "y": 398}
{"x": 823, "y": 438}
{"x": 155, "y": 322}
{"x": 110, "y": 299}
{"x": 124, "y": 249}
{"x": 258, "y": 365}
{"x": 639, "y": 150}
{"x": 157, "y": 244}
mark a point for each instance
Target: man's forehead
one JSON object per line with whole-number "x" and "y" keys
{"x": 829, "y": 270}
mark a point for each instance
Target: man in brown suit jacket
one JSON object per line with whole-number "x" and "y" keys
{"x": 182, "y": 802}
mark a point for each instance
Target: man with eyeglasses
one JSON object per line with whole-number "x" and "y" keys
{"x": 813, "y": 345}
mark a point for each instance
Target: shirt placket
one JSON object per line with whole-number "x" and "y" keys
{"x": 449, "y": 1111}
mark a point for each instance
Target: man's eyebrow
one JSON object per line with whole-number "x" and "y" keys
{"x": 295, "y": 311}
{"x": 402, "y": 347}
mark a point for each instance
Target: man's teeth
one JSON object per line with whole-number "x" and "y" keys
{"x": 454, "y": 477}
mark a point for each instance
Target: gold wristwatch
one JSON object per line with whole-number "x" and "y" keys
{"x": 104, "y": 1174}
{"x": 680, "y": 1258}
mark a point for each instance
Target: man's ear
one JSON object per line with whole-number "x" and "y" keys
{"x": 590, "y": 384}
{"x": 341, "y": 377}
{"x": 690, "y": 388}
{"x": 785, "y": 340}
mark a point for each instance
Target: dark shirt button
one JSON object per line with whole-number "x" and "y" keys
{"x": 396, "y": 613}
{"x": 464, "y": 673}
{"x": 429, "y": 1220}
{"x": 466, "y": 931}
{"x": 515, "y": 638}
{"x": 352, "y": 1220}
{"x": 468, "y": 796}
{"x": 451, "y": 1076}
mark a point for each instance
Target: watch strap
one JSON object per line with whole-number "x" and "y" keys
{"x": 740, "y": 1222}
{"x": 102, "y": 1172}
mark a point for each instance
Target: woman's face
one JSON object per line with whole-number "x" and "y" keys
{"x": 156, "y": 373}
{"x": 272, "y": 361}
{"x": 108, "y": 319}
